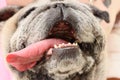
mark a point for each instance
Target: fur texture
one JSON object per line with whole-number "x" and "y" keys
{"x": 33, "y": 23}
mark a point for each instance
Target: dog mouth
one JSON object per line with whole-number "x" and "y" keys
{"x": 61, "y": 37}
{"x": 63, "y": 30}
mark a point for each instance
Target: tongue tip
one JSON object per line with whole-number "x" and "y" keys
{"x": 11, "y": 58}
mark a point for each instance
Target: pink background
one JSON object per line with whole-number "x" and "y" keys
{"x": 2, "y": 3}
{"x": 4, "y": 73}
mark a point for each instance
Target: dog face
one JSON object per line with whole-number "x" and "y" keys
{"x": 71, "y": 21}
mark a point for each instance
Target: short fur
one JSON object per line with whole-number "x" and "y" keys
{"x": 32, "y": 24}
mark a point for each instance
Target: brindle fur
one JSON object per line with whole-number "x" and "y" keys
{"x": 33, "y": 23}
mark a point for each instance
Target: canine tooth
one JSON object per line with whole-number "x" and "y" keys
{"x": 76, "y": 44}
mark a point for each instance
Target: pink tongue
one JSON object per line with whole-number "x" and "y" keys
{"x": 27, "y": 57}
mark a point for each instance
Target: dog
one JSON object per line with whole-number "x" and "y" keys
{"x": 81, "y": 57}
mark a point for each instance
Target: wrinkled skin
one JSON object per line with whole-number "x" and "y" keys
{"x": 82, "y": 62}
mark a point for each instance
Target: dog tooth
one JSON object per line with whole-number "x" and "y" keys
{"x": 76, "y": 44}
{"x": 69, "y": 43}
{"x": 63, "y": 44}
{"x": 60, "y": 45}
{"x": 55, "y": 46}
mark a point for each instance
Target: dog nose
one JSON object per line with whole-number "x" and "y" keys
{"x": 60, "y": 5}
